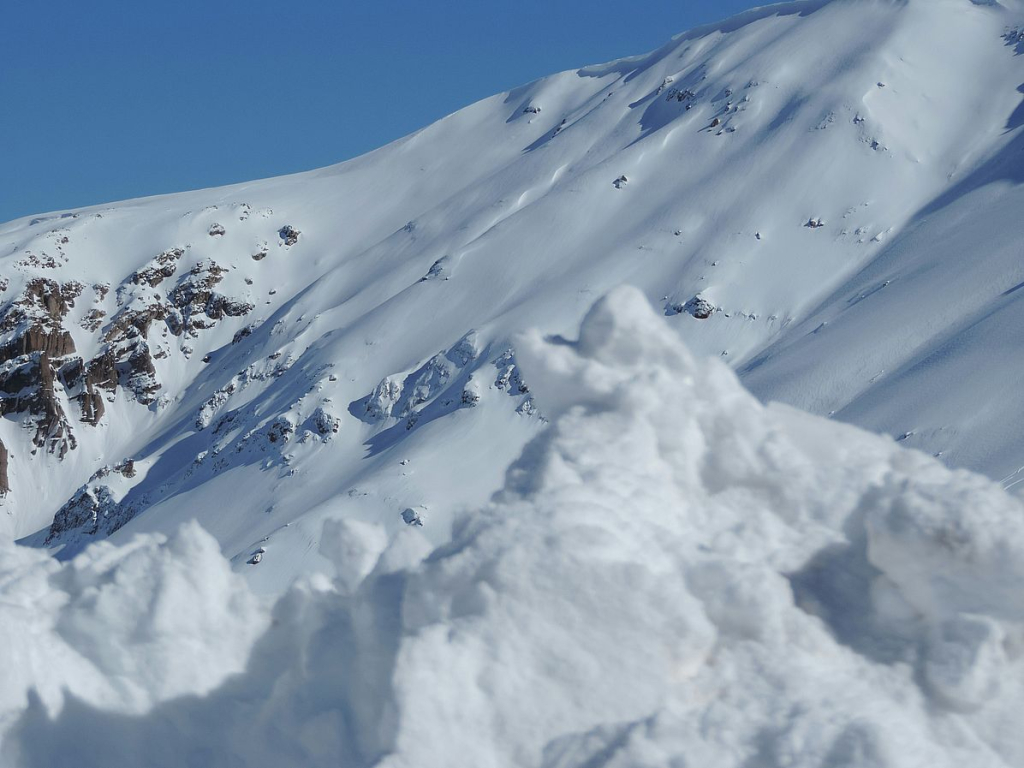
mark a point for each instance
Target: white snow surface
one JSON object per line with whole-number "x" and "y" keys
{"x": 427, "y": 536}
{"x": 673, "y": 574}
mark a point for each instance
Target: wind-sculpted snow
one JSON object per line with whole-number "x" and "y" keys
{"x": 121, "y": 628}
{"x": 673, "y": 575}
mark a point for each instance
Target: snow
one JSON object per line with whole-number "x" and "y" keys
{"x": 372, "y": 519}
{"x": 122, "y": 627}
{"x": 899, "y": 314}
{"x": 672, "y": 574}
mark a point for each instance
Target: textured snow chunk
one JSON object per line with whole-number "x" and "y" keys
{"x": 122, "y": 627}
{"x": 950, "y": 547}
{"x": 354, "y": 547}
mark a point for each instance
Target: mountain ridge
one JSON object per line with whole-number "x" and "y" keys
{"x": 744, "y": 172}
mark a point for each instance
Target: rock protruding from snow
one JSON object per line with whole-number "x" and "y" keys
{"x": 289, "y": 235}
{"x": 35, "y": 347}
{"x": 698, "y": 306}
{"x": 403, "y": 397}
{"x": 159, "y": 269}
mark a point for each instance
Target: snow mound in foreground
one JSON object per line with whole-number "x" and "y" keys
{"x": 673, "y": 575}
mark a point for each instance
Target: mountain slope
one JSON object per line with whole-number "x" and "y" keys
{"x": 820, "y": 193}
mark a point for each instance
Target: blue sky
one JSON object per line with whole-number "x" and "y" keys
{"x": 106, "y": 100}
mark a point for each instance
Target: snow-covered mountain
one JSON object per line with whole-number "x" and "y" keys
{"x": 464, "y": 510}
{"x": 823, "y": 194}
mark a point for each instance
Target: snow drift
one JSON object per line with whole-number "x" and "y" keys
{"x": 672, "y": 575}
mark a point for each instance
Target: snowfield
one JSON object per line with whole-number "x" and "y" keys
{"x": 287, "y": 479}
{"x": 673, "y": 574}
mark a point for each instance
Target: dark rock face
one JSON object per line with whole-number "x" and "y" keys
{"x": 5, "y": 482}
{"x": 88, "y": 512}
{"x": 196, "y": 306}
{"x": 280, "y": 430}
{"x": 41, "y": 370}
{"x": 162, "y": 267}
{"x": 681, "y": 95}
{"x": 35, "y": 319}
{"x": 289, "y": 234}
{"x": 29, "y": 360}
{"x": 325, "y": 423}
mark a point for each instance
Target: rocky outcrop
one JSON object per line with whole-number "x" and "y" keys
{"x": 450, "y": 380}
{"x": 159, "y": 269}
{"x": 34, "y": 321}
{"x": 36, "y": 346}
{"x": 94, "y": 510}
{"x": 698, "y": 307}
{"x": 324, "y": 422}
{"x": 5, "y": 480}
{"x": 195, "y": 305}
{"x": 90, "y": 511}
{"x": 289, "y": 234}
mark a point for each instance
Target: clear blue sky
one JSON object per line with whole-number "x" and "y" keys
{"x": 111, "y": 99}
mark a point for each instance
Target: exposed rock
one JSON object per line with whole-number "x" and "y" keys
{"x": 280, "y": 430}
{"x": 159, "y": 269}
{"x": 509, "y": 378}
{"x": 325, "y": 423}
{"x": 90, "y": 511}
{"x": 697, "y": 306}
{"x": 678, "y": 94}
{"x": 196, "y": 305}
{"x": 470, "y": 397}
{"x": 383, "y": 398}
{"x": 289, "y": 234}
{"x": 212, "y": 405}
{"x": 411, "y": 517}
{"x": 125, "y": 468}
{"x": 100, "y": 374}
{"x": 438, "y": 269}
{"x": 140, "y": 374}
{"x": 242, "y": 333}
{"x": 27, "y": 386}
{"x": 70, "y": 291}
{"x": 29, "y": 359}
{"x": 216, "y": 230}
{"x": 134, "y": 322}
{"x": 394, "y": 398}
{"x": 93, "y": 320}
{"x": 34, "y": 320}
{"x": 5, "y": 481}
{"x": 620, "y": 182}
